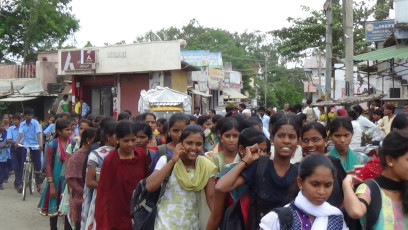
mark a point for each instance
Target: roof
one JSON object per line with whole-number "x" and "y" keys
{"x": 384, "y": 54}
{"x": 233, "y": 94}
{"x": 349, "y": 100}
{"x": 194, "y": 91}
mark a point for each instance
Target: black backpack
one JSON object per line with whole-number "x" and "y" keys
{"x": 233, "y": 218}
{"x": 143, "y": 205}
{"x": 373, "y": 210}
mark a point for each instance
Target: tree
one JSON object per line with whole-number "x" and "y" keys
{"x": 310, "y": 32}
{"x": 243, "y": 51}
{"x": 31, "y": 26}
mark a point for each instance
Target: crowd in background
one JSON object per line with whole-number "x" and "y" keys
{"x": 301, "y": 158}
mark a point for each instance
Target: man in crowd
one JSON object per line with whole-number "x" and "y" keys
{"x": 385, "y": 123}
{"x": 264, "y": 118}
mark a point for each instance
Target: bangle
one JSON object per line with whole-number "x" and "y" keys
{"x": 173, "y": 160}
{"x": 50, "y": 179}
{"x": 246, "y": 163}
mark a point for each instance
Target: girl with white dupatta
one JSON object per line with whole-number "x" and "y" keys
{"x": 310, "y": 209}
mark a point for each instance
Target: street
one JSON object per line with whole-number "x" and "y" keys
{"x": 20, "y": 215}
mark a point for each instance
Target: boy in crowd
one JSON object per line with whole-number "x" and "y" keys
{"x": 18, "y": 161}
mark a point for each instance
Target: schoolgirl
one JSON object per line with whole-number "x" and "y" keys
{"x": 279, "y": 176}
{"x": 191, "y": 174}
{"x": 56, "y": 153}
{"x": 309, "y": 210}
{"x": 93, "y": 171}
{"x": 121, "y": 171}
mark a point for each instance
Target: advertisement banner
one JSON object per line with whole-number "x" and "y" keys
{"x": 202, "y": 58}
{"x": 378, "y": 30}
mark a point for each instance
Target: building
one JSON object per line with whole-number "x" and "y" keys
{"x": 111, "y": 78}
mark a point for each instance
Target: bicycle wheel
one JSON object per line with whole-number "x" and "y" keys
{"x": 25, "y": 178}
{"x": 31, "y": 180}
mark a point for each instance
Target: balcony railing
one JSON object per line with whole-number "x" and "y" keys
{"x": 17, "y": 71}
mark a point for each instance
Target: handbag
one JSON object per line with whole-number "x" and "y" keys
{"x": 143, "y": 207}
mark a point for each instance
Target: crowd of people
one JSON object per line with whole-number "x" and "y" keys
{"x": 289, "y": 169}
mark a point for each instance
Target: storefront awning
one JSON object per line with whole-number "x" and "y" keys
{"x": 194, "y": 91}
{"x": 17, "y": 99}
{"x": 384, "y": 54}
{"x": 233, "y": 94}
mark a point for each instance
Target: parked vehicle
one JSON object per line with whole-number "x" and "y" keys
{"x": 164, "y": 102}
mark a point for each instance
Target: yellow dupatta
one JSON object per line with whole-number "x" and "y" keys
{"x": 203, "y": 171}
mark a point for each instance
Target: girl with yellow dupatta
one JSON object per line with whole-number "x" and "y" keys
{"x": 191, "y": 175}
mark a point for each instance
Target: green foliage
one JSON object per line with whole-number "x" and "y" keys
{"x": 31, "y": 26}
{"x": 311, "y": 31}
{"x": 244, "y": 51}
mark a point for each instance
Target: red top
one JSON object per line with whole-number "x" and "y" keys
{"x": 119, "y": 178}
{"x": 371, "y": 170}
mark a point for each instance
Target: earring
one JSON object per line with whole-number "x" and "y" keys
{"x": 390, "y": 164}
{"x": 301, "y": 188}
{"x": 108, "y": 139}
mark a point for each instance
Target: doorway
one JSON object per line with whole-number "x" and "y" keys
{"x": 101, "y": 101}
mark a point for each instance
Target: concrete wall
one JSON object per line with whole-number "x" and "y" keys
{"x": 46, "y": 72}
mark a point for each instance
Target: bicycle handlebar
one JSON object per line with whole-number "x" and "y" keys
{"x": 28, "y": 146}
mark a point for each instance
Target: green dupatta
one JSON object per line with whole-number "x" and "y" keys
{"x": 351, "y": 159}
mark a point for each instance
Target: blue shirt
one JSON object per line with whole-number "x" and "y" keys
{"x": 29, "y": 132}
{"x": 3, "y": 151}
{"x": 12, "y": 133}
{"x": 50, "y": 129}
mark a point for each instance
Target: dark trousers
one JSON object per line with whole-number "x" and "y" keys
{"x": 3, "y": 172}
{"x": 19, "y": 158}
{"x": 36, "y": 159}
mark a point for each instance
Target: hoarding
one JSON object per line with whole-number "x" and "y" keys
{"x": 378, "y": 30}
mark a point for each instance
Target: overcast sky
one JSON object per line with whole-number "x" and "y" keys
{"x": 112, "y": 21}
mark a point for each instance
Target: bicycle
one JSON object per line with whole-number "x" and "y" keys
{"x": 28, "y": 172}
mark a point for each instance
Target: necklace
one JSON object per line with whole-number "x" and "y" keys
{"x": 387, "y": 183}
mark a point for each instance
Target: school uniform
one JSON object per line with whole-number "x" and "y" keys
{"x": 29, "y": 132}
{"x": 16, "y": 156}
{"x": 3, "y": 159}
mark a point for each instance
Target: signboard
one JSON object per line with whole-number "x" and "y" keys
{"x": 75, "y": 60}
{"x": 202, "y": 58}
{"x": 378, "y": 30}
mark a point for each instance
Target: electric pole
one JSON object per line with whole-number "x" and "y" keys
{"x": 348, "y": 45}
{"x": 319, "y": 73}
{"x": 329, "y": 28}
{"x": 266, "y": 79}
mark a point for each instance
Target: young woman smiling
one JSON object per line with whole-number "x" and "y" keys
{"x": 313, "y": 141}
{"x": 279, "y": 175}
{"x": 191, "y": 175}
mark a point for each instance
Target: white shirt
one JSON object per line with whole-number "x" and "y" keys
{"x": 357, "y": 134}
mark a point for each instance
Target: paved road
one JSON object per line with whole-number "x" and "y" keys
{"x": 21, "y": 215}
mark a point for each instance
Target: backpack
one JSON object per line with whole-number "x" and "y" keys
{"x": 162, "y": 150}
{"x": 285, "y": 217}
{"x": 233, "y": 215}
{"x": 54, "y": 144}
{"x": 143, "y": 205}
{"x": 373, "y": 210}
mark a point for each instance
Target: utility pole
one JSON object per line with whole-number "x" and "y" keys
{"x": 266, "y": 79}
{"x": 329, "y": 29}
{"x": 319, "y": 73}
{"x": 348, "y": 45}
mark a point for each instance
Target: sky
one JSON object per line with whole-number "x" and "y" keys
{"x": 107, "y": 21}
